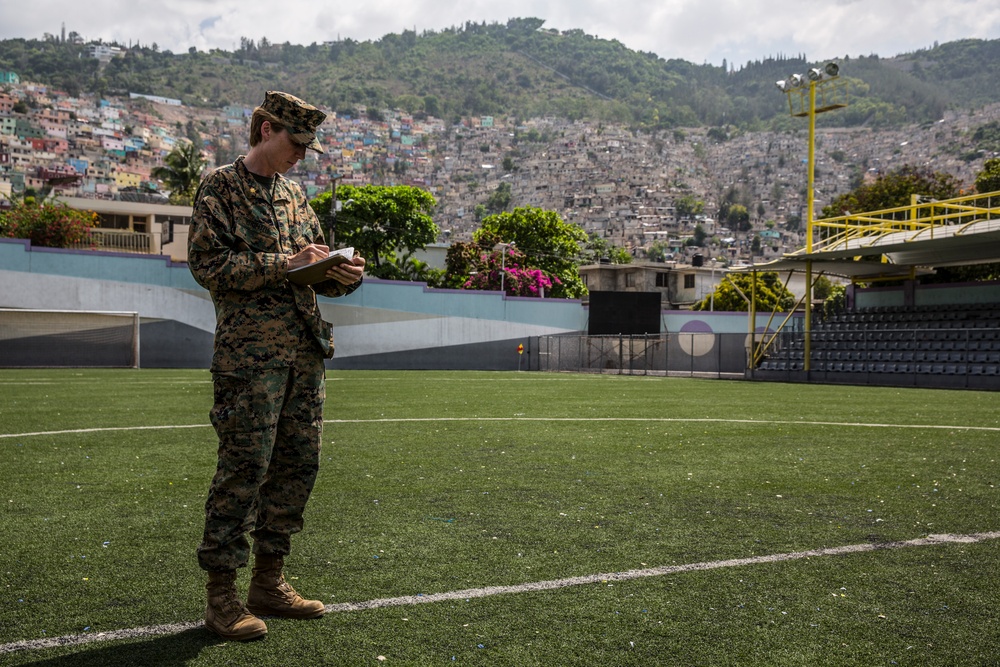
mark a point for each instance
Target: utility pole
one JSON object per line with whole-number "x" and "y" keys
{"x": 332, "y": 218}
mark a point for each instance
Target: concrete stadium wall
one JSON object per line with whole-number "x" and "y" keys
{"x": 912, "y": 294}
{"x": 383, "y": 325}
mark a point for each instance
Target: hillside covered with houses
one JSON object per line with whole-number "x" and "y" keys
{"x": 630, "y": 187}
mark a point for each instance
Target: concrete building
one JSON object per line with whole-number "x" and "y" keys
{"x": 163, "y": 228}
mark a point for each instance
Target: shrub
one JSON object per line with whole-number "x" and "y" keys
{"x": 835, "y": 302}
{"x": 48, "y": 225}
{"x": 493, "y": 270}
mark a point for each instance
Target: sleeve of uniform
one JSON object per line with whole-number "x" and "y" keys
{"x": 219, "y": 259}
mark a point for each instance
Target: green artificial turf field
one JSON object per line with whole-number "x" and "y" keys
{"x": 485, "y": 519}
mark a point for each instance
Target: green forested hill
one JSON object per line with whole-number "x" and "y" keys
{"x": 523, "y": 70}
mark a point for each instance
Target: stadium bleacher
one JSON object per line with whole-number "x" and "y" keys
{"x": 954, "y": 345}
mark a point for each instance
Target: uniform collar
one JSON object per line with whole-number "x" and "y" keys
{"x": 253, "y": 186}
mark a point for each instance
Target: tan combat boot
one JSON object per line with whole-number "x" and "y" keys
{"x": 226, "y": 616}
{"x": 271, "y": 595}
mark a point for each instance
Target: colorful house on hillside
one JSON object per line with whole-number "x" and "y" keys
{"x": 25, "y": 129}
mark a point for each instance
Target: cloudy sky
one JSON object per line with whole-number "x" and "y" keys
{"x": 700, "y": 31}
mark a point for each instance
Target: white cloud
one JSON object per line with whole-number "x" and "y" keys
{"x": 695, "y": 30}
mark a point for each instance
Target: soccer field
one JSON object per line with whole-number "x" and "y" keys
{"x": 518, "y": 519}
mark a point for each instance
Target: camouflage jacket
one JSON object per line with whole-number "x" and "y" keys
{"x": 238, "y": 249}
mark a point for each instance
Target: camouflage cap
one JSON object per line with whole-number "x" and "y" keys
{"x": 299, "y": 118}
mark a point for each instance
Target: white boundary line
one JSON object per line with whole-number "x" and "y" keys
{"x": 102, "y": 429}
{"x": 401, "y": 420}
{"x": 469, "y": 593}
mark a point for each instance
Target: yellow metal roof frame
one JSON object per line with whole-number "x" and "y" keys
{"x": 903, "y": 241}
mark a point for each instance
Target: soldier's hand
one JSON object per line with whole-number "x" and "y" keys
{"x": 311, "y": 253}
{"x": 347, "y": 273}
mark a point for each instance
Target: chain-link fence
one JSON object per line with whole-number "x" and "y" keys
{"x": 689, "y": 354}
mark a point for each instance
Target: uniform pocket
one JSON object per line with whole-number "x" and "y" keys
{"x": 247, "y": 400}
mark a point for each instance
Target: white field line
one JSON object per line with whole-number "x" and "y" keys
{"x": 101, "y": 429}
{"x": 488, "y": 591}
{"x": 403, "y": 420}
{"x": 696, "y": 420}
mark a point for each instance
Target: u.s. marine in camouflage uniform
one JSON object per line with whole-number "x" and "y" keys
{"x": 251, "y": 226}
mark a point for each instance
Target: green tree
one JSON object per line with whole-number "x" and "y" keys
{"x": 770, "y": 292}
{"x": 181, "y": 172}
{"x": 988, "y": 180}
{"x": 688, "y": 206}
{"x": 461, "y": 260}
{"x": 963, "y": 274}
{"x": 386, "y": 224}
{"x": 548, "y": 243}
{"x": 718, "y": 134}
{"x": 699, "y": 237}
{"x": 658, "y": 251}
{"x": 823, "y": 287}
{"x": 597, "y": 249}
{"x": 499, "y": 200}
{"x": 894, "y": 189}
{"x": 738, "y": 217}
{"x": 835, "y": 301}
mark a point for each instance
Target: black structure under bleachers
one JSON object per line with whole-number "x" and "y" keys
{"x": 955, "y": 345}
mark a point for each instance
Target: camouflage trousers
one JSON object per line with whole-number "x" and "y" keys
{"x": 269, "y": 422}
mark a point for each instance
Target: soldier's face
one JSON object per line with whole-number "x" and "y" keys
{"x": 282, "y": 151}
{"x": 288, "y": 152}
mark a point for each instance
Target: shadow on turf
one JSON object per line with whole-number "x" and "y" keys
{"x": 164, "y": 651}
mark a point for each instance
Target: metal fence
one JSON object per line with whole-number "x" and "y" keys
{"x": 683, "y": 354}
{"x": 116, "y": 241}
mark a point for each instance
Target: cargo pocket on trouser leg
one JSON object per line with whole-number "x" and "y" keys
{"x": 245, "y": 415}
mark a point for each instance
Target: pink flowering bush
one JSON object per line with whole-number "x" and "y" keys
{"x": 516, "y": 281}
{"x": 48, "y": 225}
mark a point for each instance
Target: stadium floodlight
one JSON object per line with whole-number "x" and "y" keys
{"x": 802, "y": 93}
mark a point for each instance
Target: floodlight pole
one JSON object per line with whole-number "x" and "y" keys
{"x": 794, "y": 86}
{"x": 811, "y": 182}
{"x": 810, "y": 214}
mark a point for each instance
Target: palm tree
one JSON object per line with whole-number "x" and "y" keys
{"x": 181, "y": 172}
